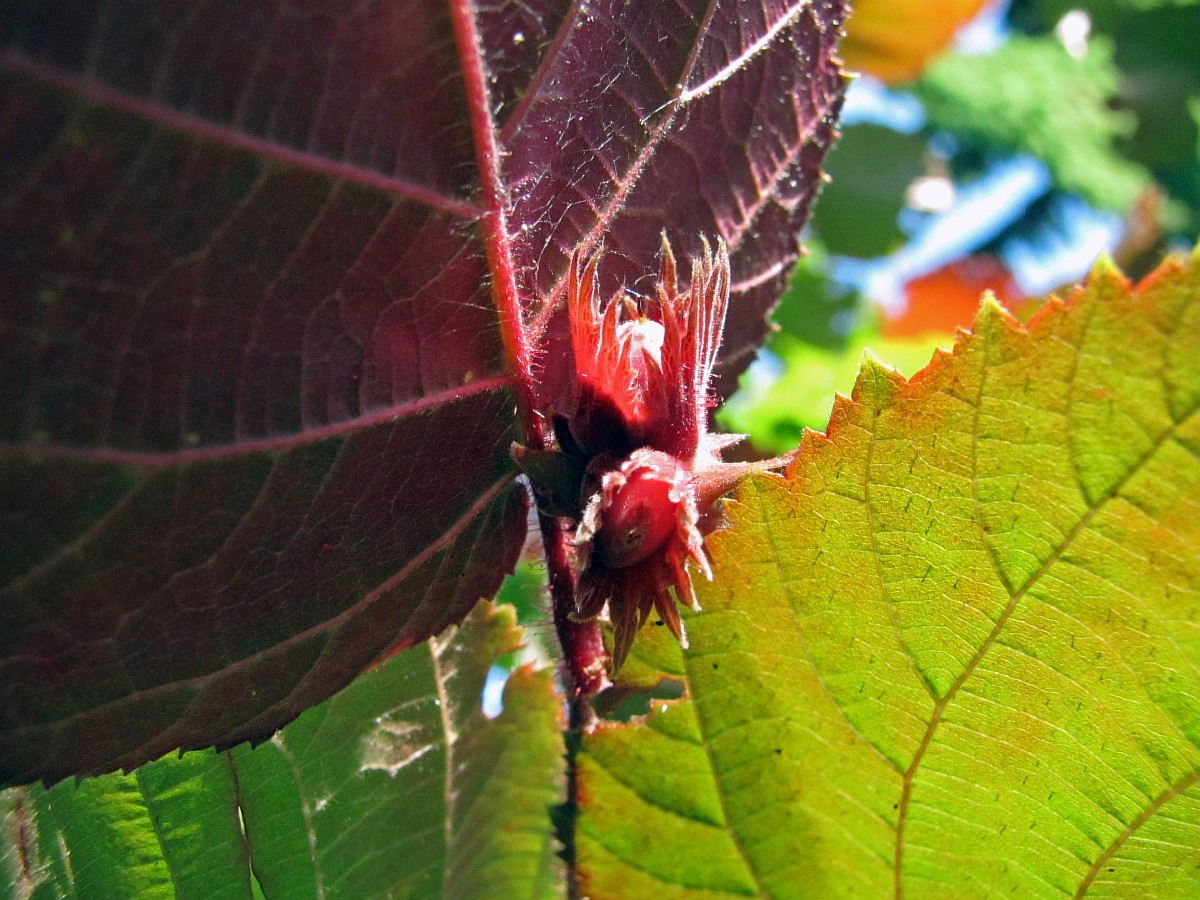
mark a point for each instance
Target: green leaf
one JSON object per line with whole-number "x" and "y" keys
{"x": 775, "y": 417}
{"x": 397, "y": 786}
{"x": 869, "y": 168}
{"x": 1106, "y": 15}
{"x": 815, "y": 308}
{"x": 956, "y": 651}
{"x": 1031, "y": 96}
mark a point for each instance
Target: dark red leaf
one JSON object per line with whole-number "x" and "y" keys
{"x": 647, "y": 120}
{"x": 274, "y": 277}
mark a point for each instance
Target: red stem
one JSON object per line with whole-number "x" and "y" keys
{"x": 582, "y": 673}
{"x": 582, "y": 645}
{"x": 583, "y": 649}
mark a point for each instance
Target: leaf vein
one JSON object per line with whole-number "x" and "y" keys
{"x": 1182, "y": 785}
{"x": 228, "y": 136}
{"x": 1015, "y": 598}
{"x": 167, "y": 459}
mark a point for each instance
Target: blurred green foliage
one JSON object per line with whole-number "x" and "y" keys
{"x": 524, "y": 590}
{"x": 815, "y": 308}
{"x": 857, "y": 214}
{"x": 1032, "y": 96}
{"x": 1113, "y": 113}
{"x": 1157, "y": 58}
{"x": 775, "y": 416}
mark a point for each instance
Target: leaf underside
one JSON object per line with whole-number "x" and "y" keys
{"x": 255, "y": 401}
{"x": 397, "y": 786}
{"x": 956, "y": 652}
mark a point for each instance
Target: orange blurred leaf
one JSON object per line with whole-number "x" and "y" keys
{"x": 895, "y": 39}
{"x": 948, "y": 298}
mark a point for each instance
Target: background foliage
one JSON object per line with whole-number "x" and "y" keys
{"x": 953, "y": 654}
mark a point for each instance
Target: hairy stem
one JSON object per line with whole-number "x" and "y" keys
{"x": 583, "y": 648}
{"x": 582, "y": 671}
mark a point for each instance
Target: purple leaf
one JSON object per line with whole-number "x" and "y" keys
{"x": 274, "y": 277}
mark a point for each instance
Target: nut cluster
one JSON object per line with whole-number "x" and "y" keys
{"x": 636, "y": 471}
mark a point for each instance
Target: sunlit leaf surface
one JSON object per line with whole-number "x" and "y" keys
{"x": 956, "y": 653}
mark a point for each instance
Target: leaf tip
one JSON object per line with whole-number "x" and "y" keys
{"x": 874, "y": 369}
{"x": 876, "y": 384}
{"x": 993, "y": 318}
{"x": 1106, "y": 272}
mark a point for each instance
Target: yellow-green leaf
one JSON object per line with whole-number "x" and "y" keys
{"x": 956, "y": 651}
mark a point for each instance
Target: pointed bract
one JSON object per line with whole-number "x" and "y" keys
{"x": 638, "y": 417}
